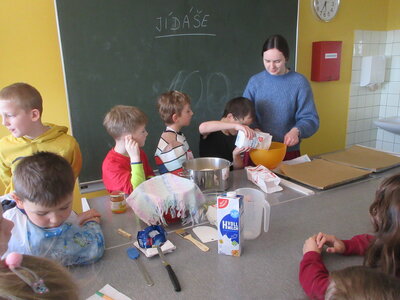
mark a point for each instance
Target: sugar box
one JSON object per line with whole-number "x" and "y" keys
{"x": 230, "y": 223}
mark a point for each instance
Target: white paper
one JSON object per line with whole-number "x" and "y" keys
{"x": 85, "y": 204}
{"x": 206, "y": 233}
{"x": 111, "y": 292}
{"x": 150, "y": 252}
{"x": 298, "y": 160}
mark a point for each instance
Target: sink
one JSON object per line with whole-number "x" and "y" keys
{"x": 391, "y": 124}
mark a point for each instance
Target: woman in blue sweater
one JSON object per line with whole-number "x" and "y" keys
{"x": 283, "y": 99}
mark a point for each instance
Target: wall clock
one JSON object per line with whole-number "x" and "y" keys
{"x": 325, "y": 10}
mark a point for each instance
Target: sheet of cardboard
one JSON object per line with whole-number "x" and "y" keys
{"x": 322, "y": 174}
{"x": 364, "y": 158}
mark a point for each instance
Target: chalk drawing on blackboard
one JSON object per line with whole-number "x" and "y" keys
{"x": 189, "y": 24}
{"x": 213, "y": 90}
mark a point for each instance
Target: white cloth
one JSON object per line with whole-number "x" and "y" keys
{"x": 158, "y": 195}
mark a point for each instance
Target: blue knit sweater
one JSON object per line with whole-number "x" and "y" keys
{"x": 281, "y": 103}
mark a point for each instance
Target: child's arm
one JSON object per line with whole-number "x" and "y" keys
{"x": 211, "y": 126}
{"x": 334, "y": 244}
{"x": 358, "y": 244}
{"x": 137, "y": 171}
{"x": 237, "y": 158}
{"x": 313, "y": 275}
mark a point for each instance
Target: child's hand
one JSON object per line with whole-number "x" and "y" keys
{"x": 90, "y": 215}
{"x": 248, "y": 132}
{"x": 238, "y": 151}
{"x": 310, "y": 244}
{"x": 133, "y": 149}
{"x": 334, "y": 244}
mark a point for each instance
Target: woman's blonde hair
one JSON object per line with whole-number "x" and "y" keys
{"x": 362, "y": 283}
{"x": 57, "y": 279}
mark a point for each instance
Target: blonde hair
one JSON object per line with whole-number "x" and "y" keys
{"x": 362, "y": 283}
{"x": 57, "y": 279}
{"x": 24, "y": 95}
{"x": 122, "y": 119}
{"x": 171, "y": 103}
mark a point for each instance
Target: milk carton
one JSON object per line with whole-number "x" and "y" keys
{"x": 230, "y": 224}
{"x": 261, "y": 140}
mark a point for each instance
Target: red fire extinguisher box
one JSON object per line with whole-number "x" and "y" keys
{"x": 326, "y": 60}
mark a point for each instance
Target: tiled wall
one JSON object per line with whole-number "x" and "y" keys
{"x": 366, "y": 105}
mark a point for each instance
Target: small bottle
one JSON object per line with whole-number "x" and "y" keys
{"x": 118, "y": 203}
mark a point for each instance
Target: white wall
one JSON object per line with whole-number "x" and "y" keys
{"x": 366, "y": 105}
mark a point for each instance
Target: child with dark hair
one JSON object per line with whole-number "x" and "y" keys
{"x": 44, "y": 223}
{"x": 29, "y": 277}
{"x": 380, "y": 251}
{"x": 217, "y": 138}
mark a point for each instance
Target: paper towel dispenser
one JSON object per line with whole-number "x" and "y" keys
{"x": 372, "y": 70}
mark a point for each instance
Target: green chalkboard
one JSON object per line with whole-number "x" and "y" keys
{"x": 130, "y": 51}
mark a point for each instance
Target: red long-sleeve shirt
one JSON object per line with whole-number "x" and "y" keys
{"x": 313, "y": 275}
{"x": 118, "y": 172}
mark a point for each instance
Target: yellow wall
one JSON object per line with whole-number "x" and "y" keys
{"x": 332, "y": 97}
{"x": 30, "y": 52}
{"x": 393, "y": 15}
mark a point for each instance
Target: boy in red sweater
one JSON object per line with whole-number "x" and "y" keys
{"x": 126, "y": 165}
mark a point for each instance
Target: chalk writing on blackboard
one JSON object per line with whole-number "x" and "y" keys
{"x": 212, "y": 90}
{"x": 189, "y": 24}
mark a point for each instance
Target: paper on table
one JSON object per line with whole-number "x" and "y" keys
{"x": 298, "y": 160}
{"x": 109, "y": 291}
{"x": 206, "y": 233}
{"x": 85, "y": 204}
{"x": 150, "y": 252}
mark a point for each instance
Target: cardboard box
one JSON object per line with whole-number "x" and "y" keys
{"x": 322, "y": 174}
